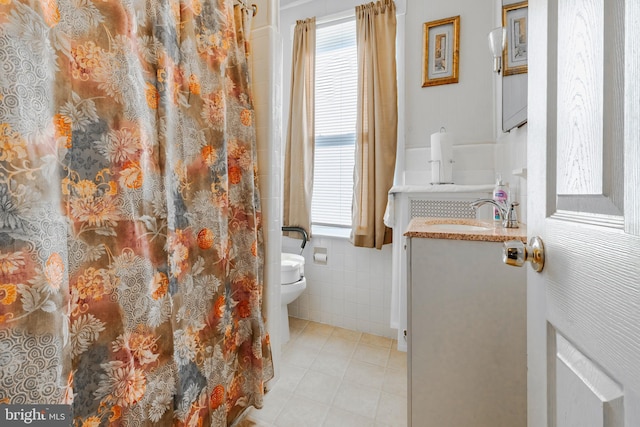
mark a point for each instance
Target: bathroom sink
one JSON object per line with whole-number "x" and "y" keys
{"x": 459, "y": 227}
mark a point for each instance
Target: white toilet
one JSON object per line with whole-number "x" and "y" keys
{"x": 292, "y": 284}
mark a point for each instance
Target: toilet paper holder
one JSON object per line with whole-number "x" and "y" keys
{"x": 320, "y": 255}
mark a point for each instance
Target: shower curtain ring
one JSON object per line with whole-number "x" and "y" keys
{"x": 255, "y": 9}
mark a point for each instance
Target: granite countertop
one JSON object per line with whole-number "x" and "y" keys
{"x": 454, "y": 229}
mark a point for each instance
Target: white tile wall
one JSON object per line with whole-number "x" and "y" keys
{"x": 474, "y": 164}
{"x": 267, "y": 88}
{"x": 478, "y": 164}
{"x": 353, "y": 290}
{"x": 511, "y": 156}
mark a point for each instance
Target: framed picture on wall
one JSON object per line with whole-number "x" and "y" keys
{"x": 515, "y": 20}
{"x": 441, "y": 40}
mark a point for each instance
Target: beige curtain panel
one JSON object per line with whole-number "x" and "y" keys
{"x": 298, "y": 173}
{"x": 377, "y": 122}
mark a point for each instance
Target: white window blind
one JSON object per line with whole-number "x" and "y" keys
{"x": 335, "y": 123}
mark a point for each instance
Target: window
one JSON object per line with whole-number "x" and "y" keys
{"x": 335, "y": 123}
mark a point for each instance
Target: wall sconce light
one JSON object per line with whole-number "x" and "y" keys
{"x": 497, "y": 39}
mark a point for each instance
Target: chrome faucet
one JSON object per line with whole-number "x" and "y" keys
{"x": 507, "y": 212}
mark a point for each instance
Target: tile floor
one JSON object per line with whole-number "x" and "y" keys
{"x": 335, "y": 377}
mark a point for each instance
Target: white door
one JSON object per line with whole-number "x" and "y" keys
{"x": 584, "y": 201}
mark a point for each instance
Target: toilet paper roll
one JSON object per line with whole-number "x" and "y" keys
{"x": 441, "y": 158}
{"x": 320, "y": 258}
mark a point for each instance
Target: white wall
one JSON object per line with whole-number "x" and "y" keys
{"x": 511, "y": 147}
{"x": 267, "y": 92}
{"x": 511, "y": 162}
{"x": 352, "y": 291}
{"x": 470, "y": 109}
{"x": 465, "y": 109}
{"x": 356, "y": 283}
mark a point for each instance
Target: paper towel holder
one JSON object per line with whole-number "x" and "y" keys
{"x": 440, "y": 178}
{"x": 439, "y": 173}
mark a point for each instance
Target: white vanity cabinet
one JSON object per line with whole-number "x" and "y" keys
{"x": 411, "y": 201}
{"x": 466, "y": 335}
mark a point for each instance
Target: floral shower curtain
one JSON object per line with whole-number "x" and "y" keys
{"x": 131, "y": 248}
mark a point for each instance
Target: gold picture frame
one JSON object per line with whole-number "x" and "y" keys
{"x": 440, "y": 61}
{"x": 515, "y": 20}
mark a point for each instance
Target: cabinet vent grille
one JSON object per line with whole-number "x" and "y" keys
{"x": 442, "y": 209}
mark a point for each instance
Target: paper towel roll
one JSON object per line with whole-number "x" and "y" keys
{"x": 441, "y": 158}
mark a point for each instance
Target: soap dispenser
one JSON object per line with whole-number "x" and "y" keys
{"x": 500, "y": 195}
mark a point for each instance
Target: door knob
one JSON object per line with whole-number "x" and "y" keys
{"x": 516, "y": 253}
